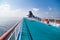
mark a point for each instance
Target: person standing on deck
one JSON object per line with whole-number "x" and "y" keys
{"x": 30, "y": 14}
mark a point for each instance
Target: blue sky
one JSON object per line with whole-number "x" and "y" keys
{"x": 46, "y": 7}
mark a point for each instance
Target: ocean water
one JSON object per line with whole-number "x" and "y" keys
{"x": 6, "y": 23}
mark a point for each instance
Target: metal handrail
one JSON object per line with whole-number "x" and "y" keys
{"x": 4, "y": 36}
{"x": 16, "y": 32}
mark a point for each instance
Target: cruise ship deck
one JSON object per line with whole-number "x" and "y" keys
{"x": 32, "y": 30}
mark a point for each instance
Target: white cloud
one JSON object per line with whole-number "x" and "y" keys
{"x": 49, "y": 8}
{"x": 7, "y": 11}
{"x": 35, "y": 9}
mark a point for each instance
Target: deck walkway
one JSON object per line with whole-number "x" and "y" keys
{"x": 33, "y": 30}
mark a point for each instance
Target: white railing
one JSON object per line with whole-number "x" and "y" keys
{"x": 13, "y": 32}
